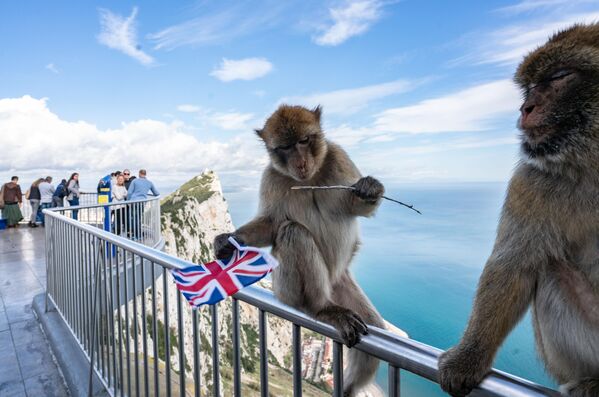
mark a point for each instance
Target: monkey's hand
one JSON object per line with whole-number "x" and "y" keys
{"x": 461, "y": 370}
{"x": 349, "y": 324}
{"x": 223, "y": 249}
{"x": 369, "y": 189}
{"x": 586, "y": 387}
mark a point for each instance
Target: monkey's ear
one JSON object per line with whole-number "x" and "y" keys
{"x": 317, "y": 111}
{"x": 259, "y": 132}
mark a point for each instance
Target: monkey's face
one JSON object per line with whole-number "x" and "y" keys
{"x": 295, "y": 142}
{"x": 560, "y": 86}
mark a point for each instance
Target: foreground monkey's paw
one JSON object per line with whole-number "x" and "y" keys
{"x": 587, "y": 387}
{"x": 460, "y": 372}
{"x": 223, "y": 249}
{"x": 349, "y": 324}
{"x": 369, "y": 189}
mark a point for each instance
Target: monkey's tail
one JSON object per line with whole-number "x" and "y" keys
{"x": 360, "y": 372}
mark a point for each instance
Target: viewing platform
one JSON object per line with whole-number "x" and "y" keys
{"x": 108, "y": 299}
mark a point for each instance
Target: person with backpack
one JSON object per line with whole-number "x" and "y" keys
{"x": 59, "y": 194}
{"x": 73, "y": 192}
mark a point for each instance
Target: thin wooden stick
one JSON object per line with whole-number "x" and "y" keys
{"x": 350, "y": 188}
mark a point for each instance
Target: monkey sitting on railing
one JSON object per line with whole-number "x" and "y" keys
{"x": 313, "y": 233}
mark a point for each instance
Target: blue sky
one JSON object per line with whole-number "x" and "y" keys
{"x": 417, "y": 91}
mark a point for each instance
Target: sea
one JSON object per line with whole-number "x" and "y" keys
{"x": 421, "y": 271}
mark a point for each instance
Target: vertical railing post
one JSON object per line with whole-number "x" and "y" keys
{"x": 337, "y": 369}
{"x": 96, "y": 288}
{"x": 394, "y": 381}
{"x": 236, "y": 351}
{"x": 297, "y": 361}
{"x": 215, "y": 353}
{"x": 263, "y": 354}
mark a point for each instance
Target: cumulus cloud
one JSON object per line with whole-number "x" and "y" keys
{"x": 242, "y": 69}
{"x": 120, "y": 33}
{"x": 349, "y": 100}
{"x": 353, "y": 18}
{"x": 38, "y": 139}
{"x": 471, "y": 109}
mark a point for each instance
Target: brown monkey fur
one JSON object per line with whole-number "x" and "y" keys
{"x": 314, "y": 234}
{"x": 547, "y": 249}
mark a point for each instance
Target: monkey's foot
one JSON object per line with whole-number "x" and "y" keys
{"x": 587, "y": 387}
{"x": 460, "y": 371}
{"x": 349, "y": 324}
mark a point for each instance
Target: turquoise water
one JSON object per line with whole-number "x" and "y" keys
{"x": 421, "y": 271}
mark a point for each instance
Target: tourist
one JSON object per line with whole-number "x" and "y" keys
{"x": 46, "y": 192}
{"x": 12, "y": 199}
{"x": 73, "y": 192}
{"x": 128, "y": 178}
{"x": 138, "y": 190}
{"x": 59, "y": 194}
{"x": 34, "y": 201}
{"x": 119, "y": 194}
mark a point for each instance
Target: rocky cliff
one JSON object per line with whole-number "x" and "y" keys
{"x": 191, "y": 217}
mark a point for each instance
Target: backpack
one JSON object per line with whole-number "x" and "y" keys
{"x": 61, "y": 191}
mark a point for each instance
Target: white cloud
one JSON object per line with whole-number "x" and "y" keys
{"x": 188, "y": 108}
{"x": 533, "y": 5}
{"x": 52, "y": 68}
{"x": 230, "y": 121}
{"x": 36, "y": 139}
{"x": 120, "y": 33}
{"x": 242, "y": 69}
{"x": 236, "y": 20}
{"x": 507, "y": 46}
{"x": 471, "y": 109}
{"x": 353, "y": 18}
{"x": 349, "y": 100}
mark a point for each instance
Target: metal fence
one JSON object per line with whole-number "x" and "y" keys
{"x": 108, "y": 290}
{"x": 85, "y": 198}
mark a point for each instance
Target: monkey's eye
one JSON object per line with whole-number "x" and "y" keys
{"x": 304, "y": 141}
{"x": 286, "y": 147}
{"x": 560, "y": 74}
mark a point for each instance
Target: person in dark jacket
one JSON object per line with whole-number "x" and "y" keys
{"x": 34, "y": 201}
{"x": 59, "y": 194}
{"x": 128, "y": 178}
{"x": 13, "y": 198}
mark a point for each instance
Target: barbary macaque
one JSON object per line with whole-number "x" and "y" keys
{"x": 547, "y": 248}
{"x": 313, "y": 233}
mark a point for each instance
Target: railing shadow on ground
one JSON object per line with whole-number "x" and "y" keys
{"x": 113, "y": 293}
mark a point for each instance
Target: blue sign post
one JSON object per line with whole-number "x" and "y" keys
{"x": 105, "y": 197}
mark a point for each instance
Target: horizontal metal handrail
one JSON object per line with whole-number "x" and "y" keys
{"x": 110, "y": 204}
{"x": 398, "y": 352}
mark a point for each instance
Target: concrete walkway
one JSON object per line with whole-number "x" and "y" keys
{"x": 27, "y": 367}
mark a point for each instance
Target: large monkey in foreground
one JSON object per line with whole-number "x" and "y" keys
{"x": 314, "y": 234}
{"x": 547, "y": 248}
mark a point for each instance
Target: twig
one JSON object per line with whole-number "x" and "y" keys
{"x": 350, "y": 188}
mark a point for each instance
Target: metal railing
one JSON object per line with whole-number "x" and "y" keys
{"x": 137, "y": 220}
{"x": 85, "y": 198}
{"x": 116, "y": 297}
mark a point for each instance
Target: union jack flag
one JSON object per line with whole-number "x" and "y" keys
{"x": 214, "y": 281}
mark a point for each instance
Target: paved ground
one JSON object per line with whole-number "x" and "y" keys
{"x": 27, "y": 367}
